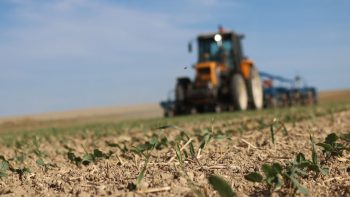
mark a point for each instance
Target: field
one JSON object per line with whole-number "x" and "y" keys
{"x": 288, "y": 151}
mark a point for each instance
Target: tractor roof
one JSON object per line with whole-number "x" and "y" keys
{"x": 212, "y": 34}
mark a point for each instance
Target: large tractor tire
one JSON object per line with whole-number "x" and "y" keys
{"x": 181, "y": 96}
{"x": 255, "y": 89}
{"x": 181, "y": 89}
{"x": 239, "y": 93}
{"x": 179, "y": 93}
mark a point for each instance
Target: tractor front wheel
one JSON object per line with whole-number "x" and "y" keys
{"x": 255, "y": 89}
{"x": 239, "y": 93}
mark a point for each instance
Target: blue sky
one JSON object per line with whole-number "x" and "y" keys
{"x": 65, "y": 54}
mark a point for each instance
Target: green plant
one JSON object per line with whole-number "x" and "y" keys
{"x": 4, "y": 166}
{"x": 315, "y": 165}
{"x": 346, "y": 137}
{"x": 37, "y": 150}
{"x": 21, "y": 171}
{"x": 143, "y": 171}
{"x": 73, "y": 158}
{"x": 40, "y": 155}
{"x": 276, "y": 176}
{"x": 331, "y": 148}
{"x": 145, "y": 151}
{"x": 88, "y": 157}
{"x": 146, "y": 147}
{"x": 205, "y": 138}
{"x": 220, "y": 185}
{"x": 123, "y": 149}
{"x": 185, "y": 138}
{"x": 179, "y": 155}
{"x": 190, "y": 183}
{"x": 19, "y": 157}
{"x": 275, "y": 126}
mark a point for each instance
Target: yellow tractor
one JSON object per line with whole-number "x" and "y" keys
{"x": 225, "y": 79}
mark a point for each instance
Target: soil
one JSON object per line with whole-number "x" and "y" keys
{"x": 245, "y": 147}
{"x": 83, "y": 116}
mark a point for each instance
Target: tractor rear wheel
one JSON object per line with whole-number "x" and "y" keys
{"x": 239, "y": 93}
{"x": 255, "y": 89}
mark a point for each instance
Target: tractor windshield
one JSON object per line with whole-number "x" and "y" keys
{"x": 210, "y": 50}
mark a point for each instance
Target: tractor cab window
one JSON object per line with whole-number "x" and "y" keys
{"x": 210, "y": 50}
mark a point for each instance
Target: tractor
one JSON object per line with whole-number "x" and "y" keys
{"x": 225, "y": 79}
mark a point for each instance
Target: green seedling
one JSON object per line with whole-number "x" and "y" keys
{"x": 220, "y": 185}
{"x": 220, "y": 135}
{"x": 190, "y": 183}
{"x": 207, "y": 136}
{"x": 94, "y": 156}
{"x": 4, "y": 166}
{"x": 37, "y": 150}
{"x": 145, "y": 151}
{"x": 276, "y": 126}
{"x": 123, "y": 149}
{"x": 159, "y": 144}
{"x": 19, "y": 144}
{"x": 70, "y": 149}
{"x": 168, "y": 127}
{"x": 185, "y": 138}
{"x": 331, "y": 148}
{"x": 179, "y": 155}
{"x": 40, "y": 155}
{"x": 296, "y": 170}
{"x": 21, "y": 171}
{"x": 146, "y": 147}
{"x": 315, "y": 165}
{"x": 273, "y": 174}
{"x": 153, "y": 143}
{"x": 242, "y": 128}
{"x": 346, "y": 137}
{"x": 88, "y": 157}
{"x": 143, "y": 171}
{"x": 272, "y": 132}
{"x": 276, "y": 177}
{"x": 19, "y": 158}
{"x": 73, "y": 158}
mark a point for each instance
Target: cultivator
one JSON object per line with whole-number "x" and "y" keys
{"x": 288, "y": 92}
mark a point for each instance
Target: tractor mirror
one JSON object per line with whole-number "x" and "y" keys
{"x": 189, "y": 47}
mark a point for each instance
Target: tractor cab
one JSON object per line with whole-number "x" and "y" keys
{"x": 218, "y": 53}
{"x": 223, "y": 48}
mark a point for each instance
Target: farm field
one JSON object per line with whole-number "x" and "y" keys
{"x": 182, "y": 156}
{"x": 73, "y": 118}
